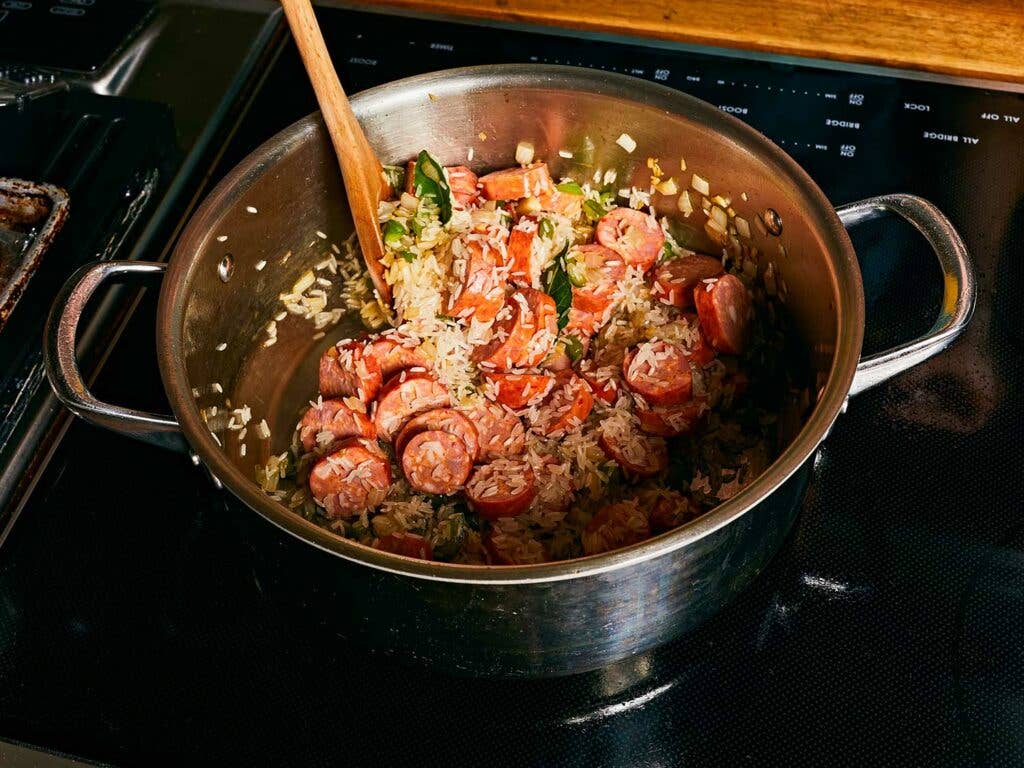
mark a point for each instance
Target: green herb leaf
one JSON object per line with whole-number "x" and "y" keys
{"x": 570, "y": 188}
{"x": 573, "y": 348}
{"x": 576, "y": 271}
{"x": 395, "y": 175}
{"x": 593, "y": 210}
{"x": 429, "y": 182}
{"x": 408, "y": 256}
{"x": 667, "y": 252}
{"x": 546, "y": 229}
{"x": 559, "y": 288}
{"x": 394, "y": 231}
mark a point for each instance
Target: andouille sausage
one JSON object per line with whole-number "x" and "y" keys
{"x": 335, "y": 418}
{"x": 634, "y": 235}
{"x": 444, "y": 419}
{"x": 675, "y": 280}
{"x": 659, "y": 372}
{"x": 518, "y": 390}
{"x": 480, "y": 290}
{"x": 639, "y": 454}
{"x": 567, "y": 408}
{"x": 463, "y": 184}
{"x": 514, "y": 183}
{"x": 523, "y": 334}
{"x": 505, "y": 549}
{"x": 603, "y": 270}
{"x": 353, "y": 478}
{"x": 403, "y": 396}
{"x": 667, "y": 509}
{"x": 394, "y": 351}
{"x": 501, "y": 488}
{"x": 672, "y": 420}
{"x": 520, "y": 256}
{"x": 436, "y": 462}
{"x": 346, "y": 371}
{"x": 499, "y": 431}
{"x": 616, "y": 525}
{"x": 557, "y": 201}
{"x": 723, "y": 307}
{"x": 605, "y": 381}
{"x": 407, "y": 544}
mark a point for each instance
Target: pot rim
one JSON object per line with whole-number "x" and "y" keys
{"x": 844, "y": 275}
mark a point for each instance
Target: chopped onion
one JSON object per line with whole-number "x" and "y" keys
{"x": 626, "y": 142}
{"x": 717, "y": 218}
{"x": 701, "y": 185}
{"x": 682, "y": 164}
{"x": 724, "y": 202}
{"x": 743, "y": 196}
{"x": 667, "y": 187}
{"x": 529, "y": 205}
{"x": 524, "y": 153}
{"x": 742, "y": 226}
{"x": 684, "y": 204}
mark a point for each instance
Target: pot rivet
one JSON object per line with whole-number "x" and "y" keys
{"x": 772, "y": 221}
{"x": 226, "y": 268}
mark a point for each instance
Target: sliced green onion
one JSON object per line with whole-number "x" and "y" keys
{"x": 546, "y": 229}
{"x": 593, "y": 210}
{"x": 576, "y": 271}
{"x": 408, "y": 256}
{"x": 573, "y": 348}
{"x": 570, "y": 188}
{"x": 394, "y": 231}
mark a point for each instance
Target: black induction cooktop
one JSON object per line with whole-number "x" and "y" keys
{"x": 147, "y": 619}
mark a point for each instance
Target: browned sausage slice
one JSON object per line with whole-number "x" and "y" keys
{"x": 659, "y": 372}
{"x": 403, "y": 396}
{"x": 617, "y": 525}
{"x": 668, "y": 509}
{"x": 567, "y": 409}
{"x": 462, "y": 183}
{"x": 605, "y": 382}
{"x": 504, "y": 548}
{"x": 672, "y": 420}
{"x": 515, "y": 183}
{"x": 480, "y": 288}
{"x": 345, "y": 371}
{"x": 723, "y": 307}
{"x": 674, "y": 280}
{"x": 523, "y": 334}
{"x": 634, "y": 235}
{"x": 394, "y": 351}
{"x": 500, "y": 432}
{"x": 406, "y": 544}
{"x": 520, "y": 255}
{"x": 518, "y": 390}
{"x": 336, "y": 418}
{"x": 502, "y": 488}
{"x": 638, "y": 454}
{"x": 352, "y": 479}
{"x": 436, "y": 462}
{"x": 446, "y": 420}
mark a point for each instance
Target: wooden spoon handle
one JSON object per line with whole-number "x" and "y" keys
{"x": 365, "y": 183}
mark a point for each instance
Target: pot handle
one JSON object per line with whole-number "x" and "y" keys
{"x": 960, "y": 286}
{"x": 61, "y": 360}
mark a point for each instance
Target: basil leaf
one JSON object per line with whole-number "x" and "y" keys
{"x": 593, "y": 210}
{"x": 573, "y": 348}
{"x": 570, "y": 188}
{"x": 559, "y": 288}
{"x": 395, "y": 174}
{"x": 394, "y": 231}
{"x": 429, "y": 181}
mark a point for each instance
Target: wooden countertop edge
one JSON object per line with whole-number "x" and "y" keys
{"x": 983, "y": 39}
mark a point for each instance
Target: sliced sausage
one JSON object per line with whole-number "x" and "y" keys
{"x": 354, "y": 478}
{"x": 564, "y": 203}
{"x": 616, "y": 525}
{"x": 634, "y": 235}
{"x": 403, "y": 396}
{"x": 336, "y": 418}
{"x": 346, "y": 372}
{"x": 436, "y": 462}
{"x": 523, "y": 334}
{"x": 723, "y": 307}
{"x": 462, "y": 183}
{"x": 518, "y": 390}
{"x": 566, "y": 409}
{"x": 507, "y": 549}
{"x": 499, "y": 431}
{"x": 639, "y": 454}
{"x": 480, "y": 286}
{"x": 445, "y": 420}
{"x": 672, "y": 420}
{"x": 699, "y": 352}
{"x": 603, "y": 270}
{"x": 405, "y": 544}
{"x": 393, "y": 352}
{"x": 502, "y": 488}
{"x": 659, "y": 372}
{"x": 521, "y": 257}
{"x": 515, "y": 183}
{"x": 668, "y": 509}
{"x": 674, "y": 280}
{"x": 605, "y": 382}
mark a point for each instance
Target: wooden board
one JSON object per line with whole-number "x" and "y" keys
{"x": 977, "y": 38}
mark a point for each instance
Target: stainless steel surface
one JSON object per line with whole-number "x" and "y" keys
{"x": 959, "y": 285}
{"x": 513, "y": 620}
{"x": 61, "y": 358}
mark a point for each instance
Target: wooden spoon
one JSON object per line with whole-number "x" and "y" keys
{"x": 365, "y": 182}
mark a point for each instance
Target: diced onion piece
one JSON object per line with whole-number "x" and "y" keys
{"x": 684, "y": 204}
{"x": 705, "y": 205}
{"x": 742, "y": 226}
{"x": 682, "y": 164}
{"x": 667, "y": 187}
{"x": 743, "y": 196}
{"x": 529, "y": 205}
{"x": 701, "y": 185}
{"x": 524, "y": 153}
{"x": 717, "y": 219}
{"x": 626, "y": 142}
{"x": 723, "y": 202}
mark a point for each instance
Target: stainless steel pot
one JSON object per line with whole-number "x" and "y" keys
{"x": 525, "y": 620}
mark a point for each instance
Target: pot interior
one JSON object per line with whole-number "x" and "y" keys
{"x": 283, "y": 209}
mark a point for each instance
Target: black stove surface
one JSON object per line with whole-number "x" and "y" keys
{"x": 144, "y": 618}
